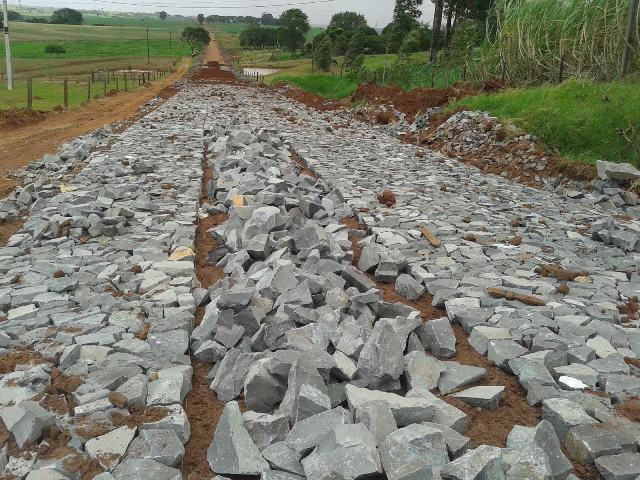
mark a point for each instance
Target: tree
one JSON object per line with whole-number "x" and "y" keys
{"x": 268, "y": 19}
{"x": 435, "y": 33}
{"x": 67, "y": 16}
{"x": 163, "y": 15}
{"x": 322, "y": 55}
{"x": 195, "y": 37}
{"x": 14, "y": 16}
{"x": 355, "y": 50}
{"x": 200, "y": 18}
{"x": 347, "y": 21}
{"x": 294, "y": 27}
{"x": 405, "y": 18}
{"x": 257, "y": 37}
{"x": 409, "y": 45}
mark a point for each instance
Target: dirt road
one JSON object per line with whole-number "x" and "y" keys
{"x": 213, "y": 53}
{"x": 24, "y": 144}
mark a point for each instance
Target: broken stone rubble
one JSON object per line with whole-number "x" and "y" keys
{"x": 293, "y": 318}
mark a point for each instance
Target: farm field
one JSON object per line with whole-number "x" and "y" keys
{"x": 103, "y": 44}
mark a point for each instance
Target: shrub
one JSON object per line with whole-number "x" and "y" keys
{"x": 55, "y": 49}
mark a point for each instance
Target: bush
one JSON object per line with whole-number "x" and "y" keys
{"x": 55, "y": 49}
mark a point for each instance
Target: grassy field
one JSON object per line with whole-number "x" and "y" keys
{"x": 579, "y": 119}
{"x": 48, "y": 95}
{"x": 91, "y": 48}
{"x": 88, "y": 48}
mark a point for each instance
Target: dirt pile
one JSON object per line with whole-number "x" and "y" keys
{"x": 213, "y": 71}
{"x": 316, "y": 102}
{"x": 410, "y": 103}
{"x": 14, "y": 118}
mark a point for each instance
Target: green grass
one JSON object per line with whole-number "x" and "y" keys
{"x": 407, "y": 77}
{"x": 578, "y": 119}
{"x": 49, "y": 95}
{"x": 97, "y": 49}
{"x": 328, "y": 86}
{"x": 92, "y": 48}
{"x": 47, "y": 68}
{"x": 33, "y": 32}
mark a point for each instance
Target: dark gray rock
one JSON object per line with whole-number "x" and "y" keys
{"x": 232, "y": 451}
{"x": 415, "y": 451}
{"x": 483, "y": 462}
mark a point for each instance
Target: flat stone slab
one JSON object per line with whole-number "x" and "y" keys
{"x": 482, "y": 396}
{"x": 624, "y": 466}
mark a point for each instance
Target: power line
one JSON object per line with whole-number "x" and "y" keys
{"x": 201, "y": 6}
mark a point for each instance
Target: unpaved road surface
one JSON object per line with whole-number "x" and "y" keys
{"x": 195, "y": 270}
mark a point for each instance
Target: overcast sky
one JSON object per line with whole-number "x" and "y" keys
{"x": 378, "y": 12}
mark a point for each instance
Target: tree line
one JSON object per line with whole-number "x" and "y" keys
{"x": 349, "y": 35}
{"x": 62, "y": 16}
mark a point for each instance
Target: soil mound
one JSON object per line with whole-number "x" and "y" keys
{"x": 413, "y": 102}
{"x": 14, "y": 118}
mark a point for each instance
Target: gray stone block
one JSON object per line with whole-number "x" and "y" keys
{"x": 482, "y": 462}
{"x": 265, "y": 429}
{"x": 232, "y": 451}
{"x": 564, "y": 414}
{"x": 482, "y": 396}
{"x": 378, "y": 418}
{"x": 624, "y": 466}
{"x": 412, "y": 452}
{"x": 437, "y": 336}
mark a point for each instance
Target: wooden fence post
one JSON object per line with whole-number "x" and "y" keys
{"x": 93, "y": 78}
{"x": 89, "y": 90}
{"x": 105, "y": 86}
{"x": 117, "y": 85}
{"x": 126, "y": 86}
{"x": 433, "y": 77}
{"x": 29, "y": 93}
{"x": 66, "y": 93}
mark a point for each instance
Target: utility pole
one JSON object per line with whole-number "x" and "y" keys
{"x": 7, "y": 46}
{"x": 631, "y": 39}
{"x": 148, "y": 49}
